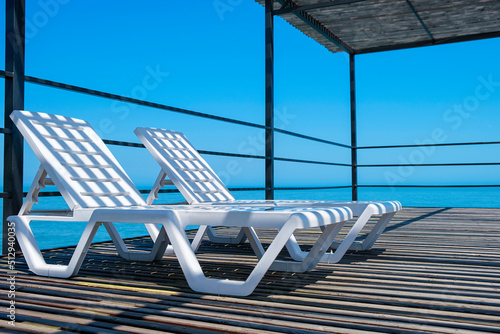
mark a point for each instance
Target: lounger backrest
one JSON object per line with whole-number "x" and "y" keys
{"x": 77, "y": 161}
{"x": 184, "y": 166}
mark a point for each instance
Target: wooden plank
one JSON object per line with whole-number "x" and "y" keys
{"x": 434, "y": 270}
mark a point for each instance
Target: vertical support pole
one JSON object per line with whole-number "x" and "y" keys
{"x": 269, "y": 99}
{"x": 354, "y": 153}
{"x": 14, "y": 99}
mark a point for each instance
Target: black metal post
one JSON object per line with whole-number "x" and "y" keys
{"x": 14, "y": 99}
{"x": 354, "y": 153}
{"x": 269, "y": 100}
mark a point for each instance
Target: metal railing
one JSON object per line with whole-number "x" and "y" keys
{"x": 59, "y": 85}
{"x": 450, "y": 164}
{"x": 82, "y": 90}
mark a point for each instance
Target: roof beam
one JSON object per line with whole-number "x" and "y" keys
{"x": 419, "y": 19}
{"x": 457, "y": 39}
{"x": 290, "y": 7}
{"x": 320, "y": 28}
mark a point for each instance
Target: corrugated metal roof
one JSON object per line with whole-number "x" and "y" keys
{"x": 363, "y": 26}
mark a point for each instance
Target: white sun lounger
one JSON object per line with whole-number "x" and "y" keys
{"x": 198, "y": 183}
{"x": 98, "y": 191}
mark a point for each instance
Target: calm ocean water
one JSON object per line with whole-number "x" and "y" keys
{"x": 52, "y": 235}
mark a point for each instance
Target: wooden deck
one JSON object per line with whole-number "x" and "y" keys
{"x": 433, "y": 271}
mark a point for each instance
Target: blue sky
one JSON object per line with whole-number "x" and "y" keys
{"x": 192, "y": 56}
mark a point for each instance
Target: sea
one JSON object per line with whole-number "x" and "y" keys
{"x": 56, "y": 234}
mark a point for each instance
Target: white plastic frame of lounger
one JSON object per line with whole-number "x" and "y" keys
{"x": 98, "y": 191}
{"x": 75, "y": 160}
{"x": 174, "y": 220}
{"x": 198, "y": 183}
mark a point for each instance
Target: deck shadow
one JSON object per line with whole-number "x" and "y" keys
{"x": 404, "y": 223}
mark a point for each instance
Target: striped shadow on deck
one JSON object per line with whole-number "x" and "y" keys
{"x": 433, "y": 271}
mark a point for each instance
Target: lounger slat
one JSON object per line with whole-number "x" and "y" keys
{"x": 94, "y": 180}
{"x": 185, "y": 159}
{"x": 85, "y": 165}
{"x": 61, "y": 150}
{"x": 78, "y": 140}
{"x": 171, "y": 148}
{"x": 67, "y": 126}
{"x": 200, "y": 180}
{"x": 207, "y": 191}
{"x": 192, "y": 169}
{"x": 96, "y": 194}
{"x": 166, "y": 138}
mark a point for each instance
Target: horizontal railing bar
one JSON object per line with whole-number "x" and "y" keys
{"x": 5, "y": 130}
{"x": 122, "y": 143}
{"x": 45, "y": 193}
{"x": 146, "y": 191}
{"x": 436, "y": 165}
{"x": 142, "y": 191}
{"x": 57, "y": 193}
{"x": 169, "y": 108}
{"x": 112, "y": 142}
{"x": 6, "y": 74}
{"x": 4, "y": 195}
{"x": 137, "y": 101}
{"x": 324, "y": 141}
{"x": 429, "y": 186}
{"x": 236, "y": 155}
{"x": 131, "y": 144}
{"x": 311, "y": 188}
{"x": 313, "y": 162}
{"x": 248, "y": 189}
{"x": 173, "y": 190}
{"x": 428, "y": 145}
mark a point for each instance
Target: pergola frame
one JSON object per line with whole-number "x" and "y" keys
{"x": 14, "y": 99}
{"x": 15, "y": 79}
{"x": 290, "y": 6}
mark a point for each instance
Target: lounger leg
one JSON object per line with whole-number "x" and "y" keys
{"x": 239, "y": 239}
{"x": 194, "y": 274}
{"x": 154, "y": 231}
{"x": 294, "y": 249}
{"x": 312, "y": 257}
{"x": 348, "y": 242}
{"x": 159, "y": 247}
{"x": 198, "y": 238}
{"x": 35, "y": 259}
{"x": 254, "y": 241}
{"x": 349, "y": 239}
{"x": 247, "y": 232}
{"x": 377, "y": 230}
{"x": 371, "y": 238}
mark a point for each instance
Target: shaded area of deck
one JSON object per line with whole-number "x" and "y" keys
{"x": 434, "y": 270}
